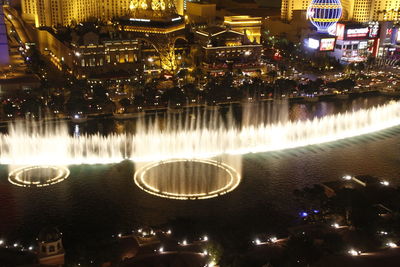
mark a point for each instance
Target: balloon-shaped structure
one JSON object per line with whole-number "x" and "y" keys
{"x": 324, "y": 13}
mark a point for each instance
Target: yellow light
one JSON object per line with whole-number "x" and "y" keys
{"x": 16, "y": 176}
{"x": 234, "y": 180}
{"x": 244, "y": 22}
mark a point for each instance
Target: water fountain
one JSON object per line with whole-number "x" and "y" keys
{"x": 37, "y": 176}
{"x": 189, "y": 178}
{"x": 203, "y": 135}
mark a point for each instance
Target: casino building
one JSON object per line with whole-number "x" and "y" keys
{"x": 356, "y": 42}
{"x": 54, "y": 13}
{"x": 223, "y": 49}
{"x": 353, "y": 10}
{"x": 132, "y": 32}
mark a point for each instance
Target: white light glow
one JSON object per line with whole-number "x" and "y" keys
{"x": 335, "y": 225}
{"x": 347, "y": 177}
{"x": 273, "y": 239}
{"x": 313, "y": 43}
{"x": 354, "y": 252}
{"x": 391, "y": 245}
{"x": 33, "y": 145}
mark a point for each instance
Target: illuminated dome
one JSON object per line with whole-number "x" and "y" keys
{"x": 324, "y": 13}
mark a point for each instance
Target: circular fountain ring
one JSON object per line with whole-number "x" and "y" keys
{"x": 38, "y": 176}
{"x": 230, "y": 181}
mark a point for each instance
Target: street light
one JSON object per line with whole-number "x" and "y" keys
{"x": 335, "y": 225}
{"x": 385, "y": 183}
{"x": 354, "y": 252}
{"x": 391, "y": 245}
{"x": 347, "y": 177}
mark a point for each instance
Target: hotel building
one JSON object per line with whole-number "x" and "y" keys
{"x": 353, "y": 10}
{"x": 53, "y": 13}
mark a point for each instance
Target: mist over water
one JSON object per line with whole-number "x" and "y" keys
{"x": 204, "y": 134}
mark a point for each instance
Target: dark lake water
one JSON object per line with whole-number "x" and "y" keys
{"x": 97, "y": 201}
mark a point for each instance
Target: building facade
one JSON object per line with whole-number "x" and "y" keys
{"x": 250, "y": 26}
{"x": 353, "y": 10}
{"x": 356, "y": 42}
{"x": 224, "y": 49}
{"x": 53, "y": 13}
{"x": 4, "y": 50}
{"x": 50, "y": 247}
{"x": 199, "y": 12}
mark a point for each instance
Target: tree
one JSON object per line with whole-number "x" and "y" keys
{"x": 272, "y": 74}
{"x": 301, "y": 249}
{"x": 198, "y": 74}
{"x": 214, "y": 251}
{"x": 182, "y": 74}
{"x": 125, "y": 103}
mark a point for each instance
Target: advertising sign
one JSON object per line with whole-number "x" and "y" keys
{"x": 373, "y": 30}
{"x": 398, "y": 36}
{"x": 327, "y": 44}
{"x": 340, "y": 31}
{"x": 313, "y": 43}
{"x": 357, "y": 33}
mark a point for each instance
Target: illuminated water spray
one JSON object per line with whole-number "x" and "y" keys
{"x": 165, "y": 147}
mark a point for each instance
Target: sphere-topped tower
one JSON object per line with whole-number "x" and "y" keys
{"x": 323, "y": 14}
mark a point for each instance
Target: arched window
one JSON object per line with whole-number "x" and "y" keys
{"x": 52, "y": 249}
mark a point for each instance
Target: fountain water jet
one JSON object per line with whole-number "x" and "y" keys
{"x": 202, "y": 135}
{"x": 190, "y": 178}
{"x": 37, "y": 176}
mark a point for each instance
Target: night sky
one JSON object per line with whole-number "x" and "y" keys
{"x": 269, "y": 2}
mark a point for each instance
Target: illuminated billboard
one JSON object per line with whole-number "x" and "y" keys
{"x": 373, "y": 30}
{"x": 340, "y": 31}
{"x": 313, "y": 43}
{"x": 357, "y": 33}
{"x": 398, "y": 36}
{"x": 327, "y": 44}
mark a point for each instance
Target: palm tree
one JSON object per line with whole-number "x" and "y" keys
{"x": 198, "y": 74}
{"x": 272, "y": 74}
